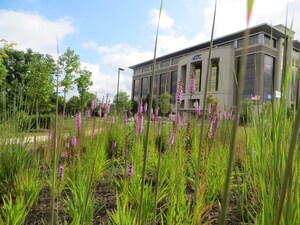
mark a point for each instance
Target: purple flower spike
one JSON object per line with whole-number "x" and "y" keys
{"x": 140, "y": 107}
{"x": 74, "y": 141}
{"x": 145, "y": 107}
{"x": 78, "y": 122}
{"x": 64, "y": 154}
{"x": 192, "y": 85}
{"x": 61, "y": 168}
{"x": 130, "y": 170}
{"x": 172, "y": 139}
{"x": 179, "y": 92}
{"x": 88, "y": 113}
{"x": 100, "y": 112}
{"x": 125, "y": 119}
{"x": 93, "y": 106}
{"x": 67, "y": 145}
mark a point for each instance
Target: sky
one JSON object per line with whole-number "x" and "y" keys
{"x": 112, "y": 34}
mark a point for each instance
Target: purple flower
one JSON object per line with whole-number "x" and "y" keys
{"x": 179, "y": 92}
{"x": 114, "y": 144}
{"x": 78, "y": 122}
{"x": 125, "y": 119}
{"x": 130, "y": 170}
{"x": 64, "y": 154}
{"x": 156, "y": 112}
{"x": 100, "y": 112}
{"x": 140, "y": 107}
{"x": 61, "y": 168}
{"x": 208, "y": 108}
{"x": 178, "y": 118}
{"x": 88, "y": 113}
{"x": 172, "y": 138}
{"x": 192, "y": 85}
{"x": 67, "y": 145}
{"x": 93, "y": 105}
{"x": 145, "y": 107}
{"x": 140, "y": 123}
{"x": 107, "y": 108}
{"x": 74, "y": 141}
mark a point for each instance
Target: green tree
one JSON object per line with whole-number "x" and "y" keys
{"x": 40, "y": 83}
{"x": 164, "y": 103}
{"x": 73, "y": 105}
{"x": 69, "y": 62}
{"x": 122, "y": 101}
{"x": 83, "y": 83}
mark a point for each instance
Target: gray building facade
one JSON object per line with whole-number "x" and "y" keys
{"x": 263, "y": 69}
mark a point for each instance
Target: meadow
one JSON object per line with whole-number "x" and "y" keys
{"x": 95, "y": 177}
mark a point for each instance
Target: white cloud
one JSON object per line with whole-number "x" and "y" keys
{"x": 104, "y": 83}
{"x": 31, "y": 30}
{"x": 231, "y": 15}
{"x": 166, "y": 22}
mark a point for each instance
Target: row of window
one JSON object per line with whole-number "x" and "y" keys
{"x": 159, "y": 65}
{"x": 168, "y": 82}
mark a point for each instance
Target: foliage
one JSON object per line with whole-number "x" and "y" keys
{"x": 164, "y": 103}
{"x": 246, "y": 114}
{"x": 122, "y": 101}
{"x": 83, "y": 83}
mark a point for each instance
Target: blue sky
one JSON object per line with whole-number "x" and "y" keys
{"x": 108, "y": 34}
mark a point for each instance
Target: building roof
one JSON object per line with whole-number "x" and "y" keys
{"x": 276, "y": 31}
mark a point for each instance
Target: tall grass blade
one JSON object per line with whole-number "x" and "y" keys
{"x": 240, "y": 88}
{"x": 204, "y": 112}
{"x": 148, "y": 123}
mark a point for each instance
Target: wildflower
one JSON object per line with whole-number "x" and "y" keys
{"x": 178, "y": 118}
{"x": 213, "y": 122}
{"x": 192, "y": 85}
{"x": 67, "y": 145}
{"x": 64, "y": 154}
{"x": 208, "y": 108}
{"x": 172, "y": 139}
{"x": 140, "y": 123}
{"x": 130, "y": 170}
{"x": 140, "y": 107}
{"x": 74, "y": 141}
{"x": 61, "y": 168}
{"x": 145, "y": 107}
{"x": 125, "y": 118}
{"x": 114, "y": 144}
{"x": 156, "y": 112}
{"x": 179, "y": 92}
{"x": 93, "y": 105}
{"x": 107, "y": 107}
{"x": 78, "y": 122}
{"x": 88, "y": 113}
{"x": 197, "y": 109}
{"x": 100, "y": 111}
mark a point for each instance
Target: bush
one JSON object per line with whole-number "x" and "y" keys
{"x": 246, "y": 114}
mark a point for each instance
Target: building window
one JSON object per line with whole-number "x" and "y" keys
{"x": 165, "y": 64}
{"x": 173, "y": 86}
{"x": 145, "y": 87}
{"x": 269, "y": 41}
{"x": 198, "y": 75}
{"x": 136, "y": 88}
{"x": 268, "y": 76}
{"x": 163, "y": 86}
{"x": 252, "y": 41}
{"x": 146, "y": 69}
{"x": 175, "y": 60}
{"x": 137, "y": 71}
{"x": 183, "y": 77}
{"x": 155, "y": 86}
{"x": 214, "y": 75}
{"x": 249, "y": 79}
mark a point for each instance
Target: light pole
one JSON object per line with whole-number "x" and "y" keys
{"x": 117, "y": 105}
